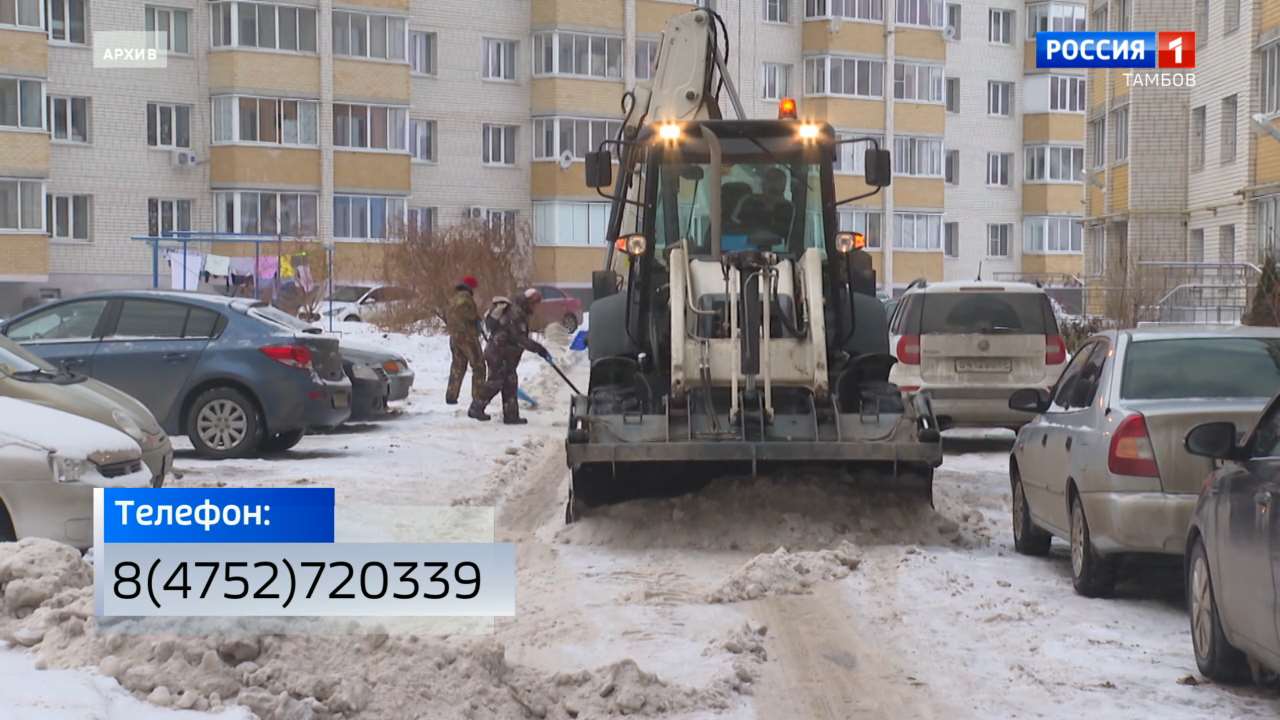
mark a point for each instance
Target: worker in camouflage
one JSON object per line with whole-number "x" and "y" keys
{"x": 462, "y": 320}
{"x": 508, "y": 326}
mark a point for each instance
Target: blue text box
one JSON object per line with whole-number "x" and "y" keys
{"x": 1096, "y": 50}
{"x": 244, "y": 515}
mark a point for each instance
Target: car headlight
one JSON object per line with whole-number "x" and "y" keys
{"x": 128, "y": 425}
{"x": 67, "y": 469}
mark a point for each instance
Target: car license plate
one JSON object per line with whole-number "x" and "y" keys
{"x": 341, "y": 399}
{"x": 983, "y": 365}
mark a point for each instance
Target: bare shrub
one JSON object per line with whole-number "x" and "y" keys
{"x": 430, "y": 264}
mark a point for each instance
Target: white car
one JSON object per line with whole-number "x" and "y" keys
{"x": 50, "y": 462}
{"x": 360, "y": 303}
{"x": 972, "y": 344}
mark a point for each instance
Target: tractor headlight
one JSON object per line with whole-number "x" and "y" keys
{"x": 844, "y": 242}
{"x": 67, "y": 469}
{"x": 669, "y": 132}
{"x": 808, "y": 132}
{"x": 636, "y": 245}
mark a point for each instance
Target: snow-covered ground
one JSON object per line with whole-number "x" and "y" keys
{"x": 876, "y": 605}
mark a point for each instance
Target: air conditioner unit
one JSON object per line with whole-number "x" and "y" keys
{"x": 475, "y": 213}
{"x": 183, "y": 158}
{"x": 949, "y": 32}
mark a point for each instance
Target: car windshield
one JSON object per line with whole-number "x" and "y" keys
{"x": 16, "y": 362}
{"x": 1215, "y": 367}
{"x": 348, "y": 293}
{"x": 985, "y": 312}
{"x": 11, "y": 361}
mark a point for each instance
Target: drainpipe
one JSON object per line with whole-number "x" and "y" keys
{"x": 324, "y": 126}
{"x": 629, "y": 43}
{"x": 887, "y": 223}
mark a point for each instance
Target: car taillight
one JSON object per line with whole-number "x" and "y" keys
{"x": 1131, "y": 449}
{"x": 391, "y": 366}
{"x": 1055, "y": 350}
{"x": 295, "y": 356}
{"x": 909, "y": 349}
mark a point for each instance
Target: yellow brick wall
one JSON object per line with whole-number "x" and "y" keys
{"x": 547, "y": 181}
{"x": 370, "y": 172}
{"x": 576, "y": 13}
{"x": 920, "y": 44}
{"x": 908, "y": 266}
{"x": 393, "y": 7}
{"x": 262, "y": 72}
{"x": 1119, "y": 196}
{"x": 236, "y": 165}
{"x": 1267, "y": 154}
{"x": 24, "y": 255}
{"x": 24, "y": 53}
{"x": 1095, "y": 196}
{"x": 1056, "y": 127}
{"x": 918, "y": 119}
{"x": 1269, "y": 18}
{"x": 849, "y": 37}
{"x": 563, "y": 96}
{"x": 844, "y": 113}
{"x": 25, "y": 154}
{"x": 567, "y": 264}
{"x": 1029, "y": 53}
{"x": 852, "y": 185}
{"x": 1119, "y": 88}
{"x": 913, "y": 192}
{"x": 1097, "y": 85}
{"x": 1066, "y": 264}
{"x": 366, "y": 80}
{"x": 1051, "y": 198}
{"x": 651, "y": 16}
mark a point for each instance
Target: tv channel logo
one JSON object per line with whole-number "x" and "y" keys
{"x": 1142, "y": 50}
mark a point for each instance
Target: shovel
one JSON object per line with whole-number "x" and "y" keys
{"x": 564, "y": 377}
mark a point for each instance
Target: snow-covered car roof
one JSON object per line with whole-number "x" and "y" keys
{"x": 976, "y": 286}
{"x": 62, "y": 432}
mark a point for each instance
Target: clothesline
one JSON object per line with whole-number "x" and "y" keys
{"x": 186, "y": 268}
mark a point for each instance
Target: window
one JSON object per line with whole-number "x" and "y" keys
{"x": 274, "y": 27}
{"x": 927, "y": 13}
{"x": 1270, "y": 62}
{"x": 500, "y": 59}
{"x": 951, "y": 170}
{"x": 917, "y": 82}
{"x": 422, "y": 52}
{"x": 1000, "y": 27}
{"x": 422, "y": 140}
{"x": 21, "y": 13}
{"x": 998, "y": 239}
{"x": 848, "y": 9}
{"x": 1054, "y": 163}
{"x": 954, "y": 17}
{"x": 552, "y": 137}
{"x": 69, "y": 118}
{"x": 1098, "y": 142}
{"x": 1120, "y": 127}
{"x": 646, "y": 58}
{"x": 1058, "y": 17}
{"x": 917, "y": 231}
{"x": 999, "y": 98}
{"x": 1197, "y": 138}
{"x": 266, "y": 213}
{"x": 851, "y": 158}
{"x": 422, "y": 219}
{"x": 67, "y": 20}
{"x": 582, "y": 55}
{"x": 776, "y": 83}
{"x": 850, "y": 77}
{"x": 1119, "y": 15}
{"x": 570, "y": 223}
{"x": 166, "y": 216}
{"x": 499, "y": 144}
{"x": 1195, "y": 245}
{"x": 367, "y": 35}
{"x": 953, "y": 95}
{"x": 68, "y": 321}
{"x": 168, "y": 126}
{"x": 376, "y": 127}
{"x": 1227, "y": 243}
{"x": 777, "y": 11}
{"x": 151, "y": 319}
{"x": 866, "y": 222}
{"x": 1230, "y": 16}
{"x": 168, "y": 28}
{"x": 1228, "y": 121}
{"x": 998, "y": 168}
{"x": 503, "y": 221}
{"x": 1184, "y": 368}
{"x": 951, "y": 239}
{"x": 67, "y": 217}
{"x": 1095, "y": 258}
{"x": 21, "y": 103}
{"x": 1268, "y": 213}
{"x": 916, "y": 156}
{"x": 21, "y": 204}
{"x": 1051, "y": 234}
{"x": 264, "y": 120}
{"x": 1202, "y": 23}
{"x": 1066, "y": 94}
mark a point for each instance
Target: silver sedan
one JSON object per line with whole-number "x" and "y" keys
{"x": 1103, "y": 464}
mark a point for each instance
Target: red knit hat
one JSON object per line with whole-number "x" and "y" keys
{"x": 470, "y": 281}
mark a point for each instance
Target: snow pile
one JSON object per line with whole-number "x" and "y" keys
{"x": 784, "y": 573}
{"x": 302, "y": 677}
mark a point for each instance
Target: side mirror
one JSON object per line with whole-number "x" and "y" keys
{"x": 603, "y": 284}
{"x": 1030, "y": 400}
{"x": 879, "y": 165}
{"x": 1212, "y": 440}
{"x": 599, "y": 169}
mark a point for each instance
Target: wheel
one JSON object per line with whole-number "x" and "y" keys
{"x": 1027, "y": 538}
{"x": 1215, "y": 656}
{"x": 351, "y": 318}
{"x": 1093, "y": 575}
{"x": 569, "y": 322}
{"x": 223, "y": 423}
{"x": 280, "y": 442}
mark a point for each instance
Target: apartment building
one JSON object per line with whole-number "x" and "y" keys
{"x": 318, "y": 120}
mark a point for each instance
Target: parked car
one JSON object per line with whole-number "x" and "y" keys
{"x": 971, "y": 345}
{"x": 1103, "y": 464}
{"x": 226, "y": 372}
{"x": 50, "y": 462}
{"x": 24, "y": 376}
{"x": 360, "y": 303}
{"x": 557, "y": 307}
{"x": 1233, "y": 549}
{"x": 393, "y": 366}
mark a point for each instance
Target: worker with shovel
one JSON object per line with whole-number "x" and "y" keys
{"x": 508, "y": 325}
